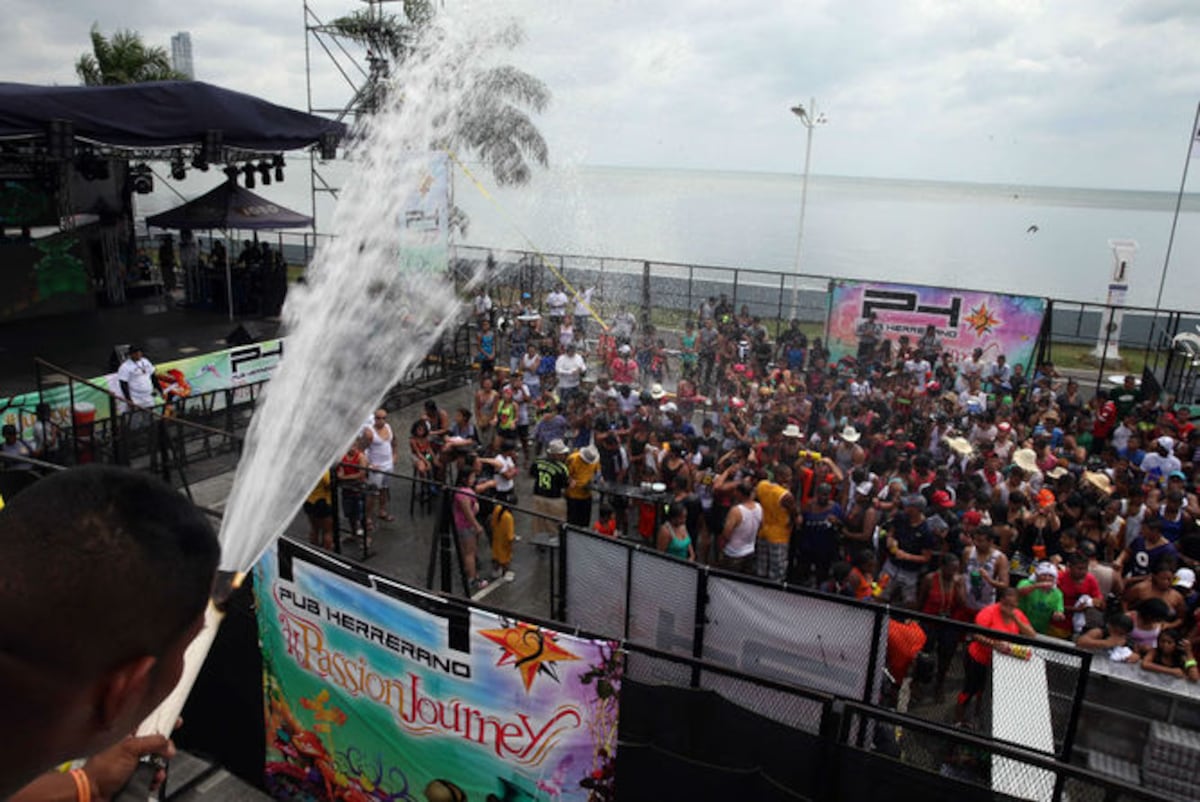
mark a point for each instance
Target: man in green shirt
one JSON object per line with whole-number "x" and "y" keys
{"x": 1041, "y": 600}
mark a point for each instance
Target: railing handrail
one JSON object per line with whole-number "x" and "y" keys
{"x": 153, "y": 411}
{"x": 812, "y": 276}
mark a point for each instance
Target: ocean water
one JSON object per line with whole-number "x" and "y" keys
{"x": 941, "y": 233}
{"x": 930, "y": 232}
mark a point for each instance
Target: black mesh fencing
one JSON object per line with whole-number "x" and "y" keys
{"x": 825, "y": 643}
{"x": 894, "y": 743}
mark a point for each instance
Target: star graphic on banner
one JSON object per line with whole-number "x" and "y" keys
{"x": 982, "y": 319}
{"x": 528, "y": 649}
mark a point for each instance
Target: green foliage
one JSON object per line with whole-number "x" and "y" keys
{"x": 492, "y": 122}
{"x": 124, "y": 59}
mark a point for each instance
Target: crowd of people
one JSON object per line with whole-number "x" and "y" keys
{"x": 906, "y": 473}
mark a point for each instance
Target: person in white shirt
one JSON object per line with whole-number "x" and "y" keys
{"x": 138, "y": 384}
{"x": 483, "y": 305}
{"x": 530, "y": 361}
{"x": 569, "y": 368}
{"x": 583, "y": 311}
{"x": 556, "y": 301}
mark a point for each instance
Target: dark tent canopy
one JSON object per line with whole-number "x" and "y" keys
{"x": 229, "y": 206}
{"x": 159, "y": 114}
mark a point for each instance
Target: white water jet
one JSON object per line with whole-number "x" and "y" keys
{"x": 374, "y": 302}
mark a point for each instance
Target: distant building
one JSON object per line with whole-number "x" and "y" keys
{"x": 181, "y": 54}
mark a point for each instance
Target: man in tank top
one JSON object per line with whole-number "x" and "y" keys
{"x": 381, "y": 460}
{"x": 736, "y": 544}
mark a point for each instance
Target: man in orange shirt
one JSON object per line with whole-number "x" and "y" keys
{"x": 775, "y": 535}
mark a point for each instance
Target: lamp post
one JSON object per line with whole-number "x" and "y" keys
{"x": 809, "y": 118}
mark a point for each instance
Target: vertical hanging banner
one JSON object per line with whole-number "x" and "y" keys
{"x": 425, "y": 229}
{"x": 369, "y": 697}
{"x": 999, "y": 324}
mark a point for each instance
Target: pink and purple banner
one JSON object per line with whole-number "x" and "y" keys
{"x": 965, "y": 320}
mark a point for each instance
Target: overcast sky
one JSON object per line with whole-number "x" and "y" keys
{"x": 1057, "y": 92}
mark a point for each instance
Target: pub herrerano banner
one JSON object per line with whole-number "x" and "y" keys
{"x": 373, "y": 697}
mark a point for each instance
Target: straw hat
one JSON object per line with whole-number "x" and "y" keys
{"x": 657, "y": 391}
{"x": 792, "y": 430}
{"x": 555, "y": 447}
{"x": 1057, "y": 472}
{"x": 1026, "y": 460}
{"x": 590, "y": 454}
{"x": 1098, "y": 480}
{"x": 960, "y": 445}
{"x": 850, "y": 434}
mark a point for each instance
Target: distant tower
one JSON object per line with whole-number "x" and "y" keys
{"x": 181, "y": 54}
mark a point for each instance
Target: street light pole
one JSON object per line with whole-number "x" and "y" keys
{"x": 809, "y": 118}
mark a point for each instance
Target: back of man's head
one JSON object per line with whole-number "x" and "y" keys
{"x": 104, "y": 568}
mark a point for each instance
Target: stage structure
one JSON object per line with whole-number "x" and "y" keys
{"x": 74, "y": 156}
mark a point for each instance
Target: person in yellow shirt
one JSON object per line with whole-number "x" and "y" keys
{"x": 318, "y": 507}
{"x": 582, "y": 467}
{"x": 503, "y": 536}
{"x": 775, "y": 534}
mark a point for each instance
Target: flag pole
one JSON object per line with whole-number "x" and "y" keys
{"x": 1162, "y": 281}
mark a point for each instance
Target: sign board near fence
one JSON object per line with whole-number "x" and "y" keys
{"x": 965, "y": 320}
{"x": 369, "y": 697}
{"x": 232, "y": 369}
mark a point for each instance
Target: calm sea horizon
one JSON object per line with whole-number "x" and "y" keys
{"x": 958, "y": 234}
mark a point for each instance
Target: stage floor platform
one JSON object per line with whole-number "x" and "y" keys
{"x": 82, "y": 342}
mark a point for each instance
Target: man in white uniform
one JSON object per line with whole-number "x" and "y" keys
{"x": 136, "y": 377}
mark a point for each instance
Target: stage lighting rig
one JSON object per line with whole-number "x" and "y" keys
{"x": 141, "y": 179}
{"x": 248, "y": 171}
{"x": 278, "y": 164}
{"x": 178, "y": 169}
{"x": 232, "y": 173}
{"x": 264, "y": 172}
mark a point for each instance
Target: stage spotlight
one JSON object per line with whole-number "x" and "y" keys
{"x": 278, "y": 164}
{"x": 142, "y": 180}
{"x": 178, "y": 170}
{"x": 264, "y": 173}
{"x": 248, "y": 172}
{"x": 232, "y": 172}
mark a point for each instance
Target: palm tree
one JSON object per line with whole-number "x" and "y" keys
{"x": 124, "y": 59}
{"x": 492, "y": 122}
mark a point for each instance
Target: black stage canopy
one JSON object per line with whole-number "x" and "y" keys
{"x": 159, "y": 114}
{"x": 229, "y": 206}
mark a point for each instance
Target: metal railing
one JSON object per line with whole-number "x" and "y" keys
{"x": 771, "y": 629}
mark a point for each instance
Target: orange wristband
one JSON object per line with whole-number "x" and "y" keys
{"x": 83, "y": 786}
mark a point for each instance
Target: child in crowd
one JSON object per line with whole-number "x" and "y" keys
{"x": 1172, "y": 656}
{"x": 503, "y": 536}
{"x": 606, "y": 524}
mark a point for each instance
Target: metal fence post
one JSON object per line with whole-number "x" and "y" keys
{"x": 691, "y": 303}
{"x": 779, "y": 311}
{"x": 74, "y": 426}
{"x": 1104, "y": 353}
{"x": 628, "y": 590}
{"x": 701, "y": 619}
{"x": 558, "y": 607}
{"x": 736, "y": 275}
{"x": 873, "y": 658}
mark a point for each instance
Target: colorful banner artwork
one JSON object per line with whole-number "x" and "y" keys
{"x": 370, "y": 698}
{"x": 232, "y": 369}
{"x": 426, "y": 225}
{"x": 999, "y": 324}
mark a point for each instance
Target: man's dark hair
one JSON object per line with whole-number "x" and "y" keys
{"x": 101, "y": 565}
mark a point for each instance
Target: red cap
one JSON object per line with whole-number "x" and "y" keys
{"x": 972, "y": 518}
{"x": 942, "y": 499}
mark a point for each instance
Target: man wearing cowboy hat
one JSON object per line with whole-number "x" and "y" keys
{"x": 582, "y": 467}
